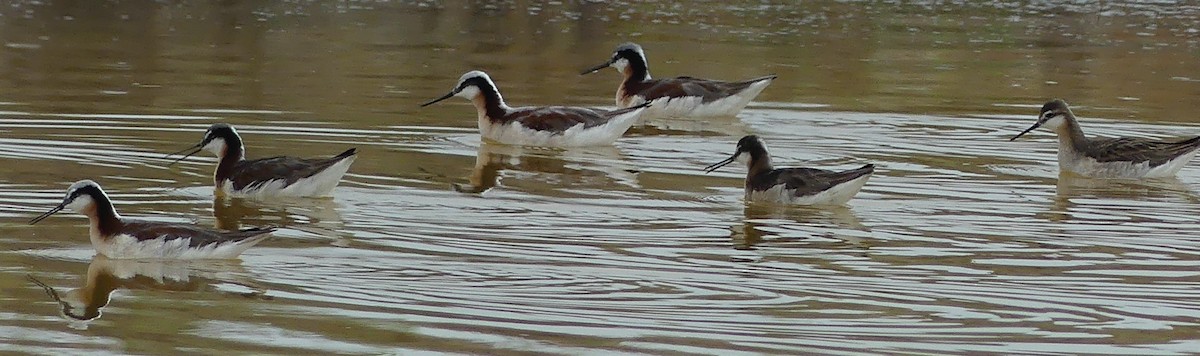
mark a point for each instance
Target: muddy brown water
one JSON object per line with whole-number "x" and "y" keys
{"x": 963, "y": 242}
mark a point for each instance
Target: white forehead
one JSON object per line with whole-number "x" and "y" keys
{"x": 474, "y": 74}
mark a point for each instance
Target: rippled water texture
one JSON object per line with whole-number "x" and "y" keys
{"x": 963, "y": 242}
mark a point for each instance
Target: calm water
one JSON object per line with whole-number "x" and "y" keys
{"x": 963, "y": 242}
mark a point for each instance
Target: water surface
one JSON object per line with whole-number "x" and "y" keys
{"x": 963, "y": 242}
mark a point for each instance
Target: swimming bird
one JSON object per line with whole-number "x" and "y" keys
{"x": 121, "y": 238}
{"x": 802, "y": 186}
{"x": 552, "y": 126}
{"x": 1122, "y": 157}
{"x": 281, "y": 176}
{"x": 681, "y": 96}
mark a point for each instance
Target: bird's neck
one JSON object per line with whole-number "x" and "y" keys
{"x": 760, "y": 163}
{"x": 102, "y": 217}
{"x": 490, "y": 104}
{"x": 1070, "y": 135}
{"x": 637, "y": 71}
{"x": 229, "y": 157}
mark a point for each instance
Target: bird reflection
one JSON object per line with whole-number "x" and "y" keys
{"x": 716, "y": 126}
{"x": 83, "y": 305}
{"x": 315, "y": 216}
{"x": 756, "y": 223}
{"x": 231, "y": 214}
{"x": 493, "y": 159}
{"x": 1072, "y": 187}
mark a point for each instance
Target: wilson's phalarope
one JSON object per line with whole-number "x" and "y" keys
{"x": 553, "y": 126}
{"x": 120, "y": 238}
{"x": 804, "y": 186}
{"x": 676, "y": 97}
{"x": 1122, "y": 157}
{"x": 275, "y": 176}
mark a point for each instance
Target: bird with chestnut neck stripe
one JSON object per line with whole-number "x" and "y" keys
{"x": 679, "y": 96}
{"x": 280, "y": 176}
{"x": 121, "y": 238}
{"x": 547, "y": 126}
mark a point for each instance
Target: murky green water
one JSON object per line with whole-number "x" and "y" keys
{"x": 963, "y": 242}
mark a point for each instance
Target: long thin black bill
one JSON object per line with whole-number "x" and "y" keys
{"x": 46, "y": 214}
{"x": 720, "y": 164}
{"x": 444, "y": 97}
{"x": 183, "y": 150}
{"x": 193, "y": 149}
{"x": 596, "y": 68}
{"x": 1031, "y": 128}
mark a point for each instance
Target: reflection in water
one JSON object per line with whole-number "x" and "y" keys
{"x": 573, "y": 254}
{"x": 576, "y": 164}
{"x": 319, "y": 217}
{"x": 714, "y": 126}
{"x": 1075, "y": 186}
{"x": 765, "y": 219}
{"x": 232, "y": 213}
{"x": 1107, "y": 194}
{"x": 488, "y": 163}
{"x": 83, "y": 305}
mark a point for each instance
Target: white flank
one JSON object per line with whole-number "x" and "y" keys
{"x": 694, "y": 106}
{"x": 514, "y": 133}
{"x": 1072, "y": 161}
{"x": 318, "y": 185}
{"x": 835, "y": 195}
{"x": 127, "y": 247}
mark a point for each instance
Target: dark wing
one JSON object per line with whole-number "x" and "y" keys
{"x": 1139, "y": 150}
{"x": 807, "y": 181}
{"x": 709, "y": 90}
{"x": 147, "y": 230}
{"x": 556, "y": 118}
{"x": 290, "y": 169}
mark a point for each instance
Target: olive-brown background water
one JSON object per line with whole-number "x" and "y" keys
{"x": 962, "y": 242}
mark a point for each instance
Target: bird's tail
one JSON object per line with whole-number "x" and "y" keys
{"x": 348, "y": 153}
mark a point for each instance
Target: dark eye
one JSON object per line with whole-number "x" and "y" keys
{"x": 1051, "y": 115}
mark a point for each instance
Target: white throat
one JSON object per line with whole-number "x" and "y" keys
{"x": 218, "y": 147}
{"x": 468, "y": 93}
{"x": 1055, "y": 123}
{"x": 622, "y": 64}
{"x": 743, "y": 158}
{"x": 81, "y": 203}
